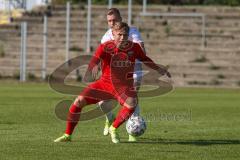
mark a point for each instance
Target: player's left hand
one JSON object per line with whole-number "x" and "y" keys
{"x": 164, "y": 70}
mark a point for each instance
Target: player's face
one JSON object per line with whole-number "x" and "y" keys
{"x": 120, "y": 37}
{"x": 112, "y": 19}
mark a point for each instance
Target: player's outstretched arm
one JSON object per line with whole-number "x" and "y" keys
{"x": 161, "y": 69}
{"x": 164, "y": 70}
{"x": 149, "y": 62}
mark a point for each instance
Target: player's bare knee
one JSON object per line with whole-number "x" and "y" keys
{"x": 80, "y": 101}
{"x": 106, "y": 103}
{"x": 131, "y": 102}
{"x": 103, "y": 103}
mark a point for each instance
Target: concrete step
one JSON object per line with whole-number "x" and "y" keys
{"x": 190, "y": 43}
{"x": 75, "y": 45}
{"x": 32, "y": 63}
{"x": 226, "y": 23}
{"x": 212, "y": 74}
{"x": 193, "y": 9}
{"x": 178, "y": 42}
{"x": 32, "y": 19}
{"x": 201, "y": 82}
{"x": 50, "y": 56}
{"x": 187, "y": 58}
{"x": 163, "y": 46}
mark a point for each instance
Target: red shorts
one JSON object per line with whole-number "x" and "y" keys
{"x": 104, "y": 90}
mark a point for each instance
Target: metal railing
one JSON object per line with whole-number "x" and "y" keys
{"x": 68, "y": 10}
{"x": 88, "y": 48}
{"x": 45, "y": 48}
{"x": 23, "y": 52}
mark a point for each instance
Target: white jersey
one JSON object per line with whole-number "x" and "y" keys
{"x": 133, "y": 36}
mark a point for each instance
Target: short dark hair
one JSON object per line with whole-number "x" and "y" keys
{"x": 121, "y": 26}
{"x": 114, "y": 11}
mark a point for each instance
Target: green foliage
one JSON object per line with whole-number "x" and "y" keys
{"x": 200, "y": 59}
{"x": 167, "y": 30}
{"x": 197, "y": 83}
{"x": 59, "y": 1}
{"x": 214, "y": 67}
{"x": 100, "y": 1}
{"x": 16, "y": 75}
{"x": 215, "y": 82}
{"x": 80, "y": 1}
{"x": 76, "y": 49}
{"x": 47, "y": 77}
{"x": 31, "y": 76}
{"x": 79, "y": 78}
{"x": 222, "y": 2}
{"x": 220, "y": 76}
{"x": 2, "y": 51}
{"x": 169, "y": 2}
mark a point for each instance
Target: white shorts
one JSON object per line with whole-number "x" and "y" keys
{"x": 137, "y": 75}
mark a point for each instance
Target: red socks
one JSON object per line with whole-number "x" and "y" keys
{"x": 122, "y": 116}
{"x": 73, "y": 118}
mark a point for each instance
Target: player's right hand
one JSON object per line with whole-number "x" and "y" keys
{"x": 95, "y": 72}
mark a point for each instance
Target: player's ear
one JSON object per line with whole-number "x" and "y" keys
{"x": 113, "y": 32}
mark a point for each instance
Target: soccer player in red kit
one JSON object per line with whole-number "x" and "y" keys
{"x": 117, "y": 59}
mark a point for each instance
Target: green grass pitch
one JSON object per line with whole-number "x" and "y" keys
{"x": 188, "y": 123}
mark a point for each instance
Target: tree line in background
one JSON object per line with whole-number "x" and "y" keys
{"x": 164, "y": 2}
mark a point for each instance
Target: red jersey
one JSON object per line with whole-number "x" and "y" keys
{"x": 118, "y": 63}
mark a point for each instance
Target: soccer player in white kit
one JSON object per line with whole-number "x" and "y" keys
{"x": 113, "y": 16}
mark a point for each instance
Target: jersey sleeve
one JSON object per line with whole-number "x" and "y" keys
{"x": 134, "y": 35}
{"x": 99, "y": 51}
{"x": 96, "y": 57}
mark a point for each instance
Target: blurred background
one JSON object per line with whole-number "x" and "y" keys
{"x": 199, "y": 39}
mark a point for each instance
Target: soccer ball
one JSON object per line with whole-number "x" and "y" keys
{"x": 136, "y": 126}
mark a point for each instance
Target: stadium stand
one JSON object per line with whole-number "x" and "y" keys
{"x": 169, "y": 40}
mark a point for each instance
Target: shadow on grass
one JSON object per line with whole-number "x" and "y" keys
{"x": 199, "y": 142}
